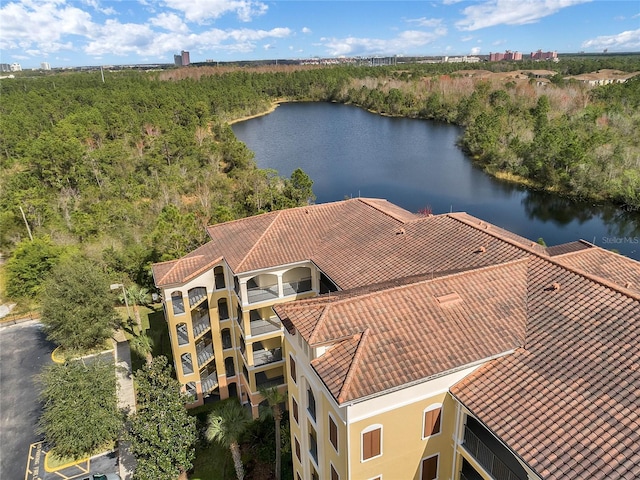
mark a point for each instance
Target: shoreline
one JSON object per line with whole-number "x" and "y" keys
{"x": 275, "y": 104}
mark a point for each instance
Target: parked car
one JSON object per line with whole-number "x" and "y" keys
{"x": 103, "y": 476}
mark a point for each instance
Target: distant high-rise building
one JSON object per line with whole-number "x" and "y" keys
{"x": 507, "y": 55}
{"x": 45, "y": 66}
{"x": 185, "y": 58}
{"x": 5, "y": 67}
{"x": 540, "y": 55}
{"x": 16, "y": 67}
{"x": 177, "y": 60}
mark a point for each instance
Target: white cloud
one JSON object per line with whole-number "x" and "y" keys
{"x": 169, "y": 21}
{"x": 510, "y": 12}
{"x": 467, "y": 38}
{"x": 406, "y": 42}
{"x": 426, "y": 22}
{"x": 629, "y": 40}
{"x": 475, "y": 51}
{"x": 200, "y": 11}
{"x": 97, "y": 7}
{"x": 306, "y": 30}
{"x": 41, "y": 25}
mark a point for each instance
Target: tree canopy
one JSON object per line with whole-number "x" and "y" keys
{"x": 161, "y": 432}
{"x": 80, "y": 413}
{"x": 77, "y": 305}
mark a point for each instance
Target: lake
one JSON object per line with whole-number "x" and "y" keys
{"x": 349, "y": 152}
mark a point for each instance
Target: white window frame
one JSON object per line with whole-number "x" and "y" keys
{"x": 433, "y": 406}
{"x": 368, "y": 429}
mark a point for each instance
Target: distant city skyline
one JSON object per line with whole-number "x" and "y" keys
{"x": 66, "y": 33}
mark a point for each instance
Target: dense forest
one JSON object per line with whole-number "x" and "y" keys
{"x": 130, "y": 169}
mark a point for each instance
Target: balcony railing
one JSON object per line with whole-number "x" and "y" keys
{"x": 183, "y": 335}
{"x": 201, "y": 326}
{"x": 263, "y": 381}
{"x": 485, "y": 457}
{"x": 196, "y": 294}
{"x": 264, "y": 357}
{"x": 299, "y": 286}
{"x": 261, "y": 294}
{"x": 265, "y": 325}
{"x": 210, "y": 382}
{"x": 205, "y": 353}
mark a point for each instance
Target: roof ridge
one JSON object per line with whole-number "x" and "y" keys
{"x": 368, "y": 201}
{"x": 178, "y": 262}
{"x": 352, "y": 368}
{"x": 257, "y": 242}
{"x": 423, "y": 281}
{"x": 566, "y": 254}
{"x": 321, "y": 320}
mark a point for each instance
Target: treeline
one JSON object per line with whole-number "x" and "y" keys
{"x": 131, "y": 169}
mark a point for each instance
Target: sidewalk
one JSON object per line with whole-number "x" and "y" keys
{"x": 126, "y": 398}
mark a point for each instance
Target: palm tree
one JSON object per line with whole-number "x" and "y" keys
{"x": 137, "y": 296}
{"x": 275, "y": 398}
{"x": 225, "y": 427}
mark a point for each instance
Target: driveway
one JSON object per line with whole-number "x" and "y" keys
{"x": 24, "y": 350}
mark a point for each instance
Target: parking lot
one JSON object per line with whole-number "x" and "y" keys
{"x": 24, "y": 351}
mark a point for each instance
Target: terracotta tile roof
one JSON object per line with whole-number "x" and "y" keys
{"x": 611, "y": 266}
{"x": 355, "y": 242}
{"x": 187, "y": 267}
{"x": 568, "y": 401}
{"x": 414, "y": 331}
{"x": 570, "y": 247}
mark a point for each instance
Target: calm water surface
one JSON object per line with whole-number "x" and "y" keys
{"x": 349, "y": 152}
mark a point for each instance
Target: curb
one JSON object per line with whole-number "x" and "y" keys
{"x": 17, "y": 321}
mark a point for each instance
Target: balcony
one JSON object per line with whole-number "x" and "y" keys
{"x": 264, "y": 357}
{"x": 196, "y": 295}
{"x": 494, "y": 457}
{"x": 201, "y": 326}
{"x": 210, "y": 382}
{"x": 204, "y": 352}
{"x": 262, "y": 294}
{"x": 263, "y": 381}
{"x": 298, "y": 286}
{"x": 260, "y": 326}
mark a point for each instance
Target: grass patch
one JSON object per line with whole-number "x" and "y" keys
{"x": 53, "y": 461}
{"x": 213, "y": 462}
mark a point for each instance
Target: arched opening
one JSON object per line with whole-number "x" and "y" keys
{"x": 178, "y": 303}
{"x": 262, "y": 287}
{"x": 226, "y": 338}
{"x": 182, "y": 334}
{"x": 296, "y": 280}
{"x": 233, "y": 389}
{"x": 223, "y": 309}
{"x": 218, "y": 274}
{"x": 196, "y": 295}
{"x": 187, "y": 364}
{"x": 229, "y": 366}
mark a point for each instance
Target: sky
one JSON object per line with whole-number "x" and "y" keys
{"x": 68, "y": 33}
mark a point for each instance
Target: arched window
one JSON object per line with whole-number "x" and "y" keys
{"x": 223, "y": 309}
{"x": 218, "y": 274}
{"x": 191, "y": 391}
{"x": 178, "y": 303}
{"x": 226, "y": 338}
{"x": 229, "y": 367}
{"x": 187, "y": 363}
{"x": 183, "y": 335}
{"x": 196, "y": 295}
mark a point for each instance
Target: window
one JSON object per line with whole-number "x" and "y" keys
{"x": 334, "y": 474}
{"x": 311, "y": 403}
{"x": 431, "y": 421}
{"x": 218, "y": 273}
{"x": 430, "y": 468}
{"x": 313, "y": 444}
{"x": 298, "y": 476}
{"x": 314, "y": 474}
{"x": 372, "y": 442}
{"x": 333, "y": 433}
{"x": 298, "y": 449}
{"x": 223, "y": 309}
{"x": 294, "y": 408}
{"x": 178, "y": 303}
{"x": 292, "y": 369}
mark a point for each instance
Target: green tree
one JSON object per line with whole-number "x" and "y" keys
{"x": 80, "y": 407}
{"x": 77, "y": 307}
{"x": 225, "y": 426}
{"x": 161, "y": 432}
{"x": 29, "y": 265}
{"x": 136, "y": 296}
{"x": 275, "y": 398}
{"x": 298, "y": 189}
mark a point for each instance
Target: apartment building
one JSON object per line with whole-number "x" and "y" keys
{"x": 416, "y": 347}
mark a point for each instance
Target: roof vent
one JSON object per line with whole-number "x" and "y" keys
{"x": 448, "y": 299}
{"x": 555, "y": 286}
{"x": 628, "y": 285}
{"x": 400, "y": 231}
{"x": 481, "y": 249}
